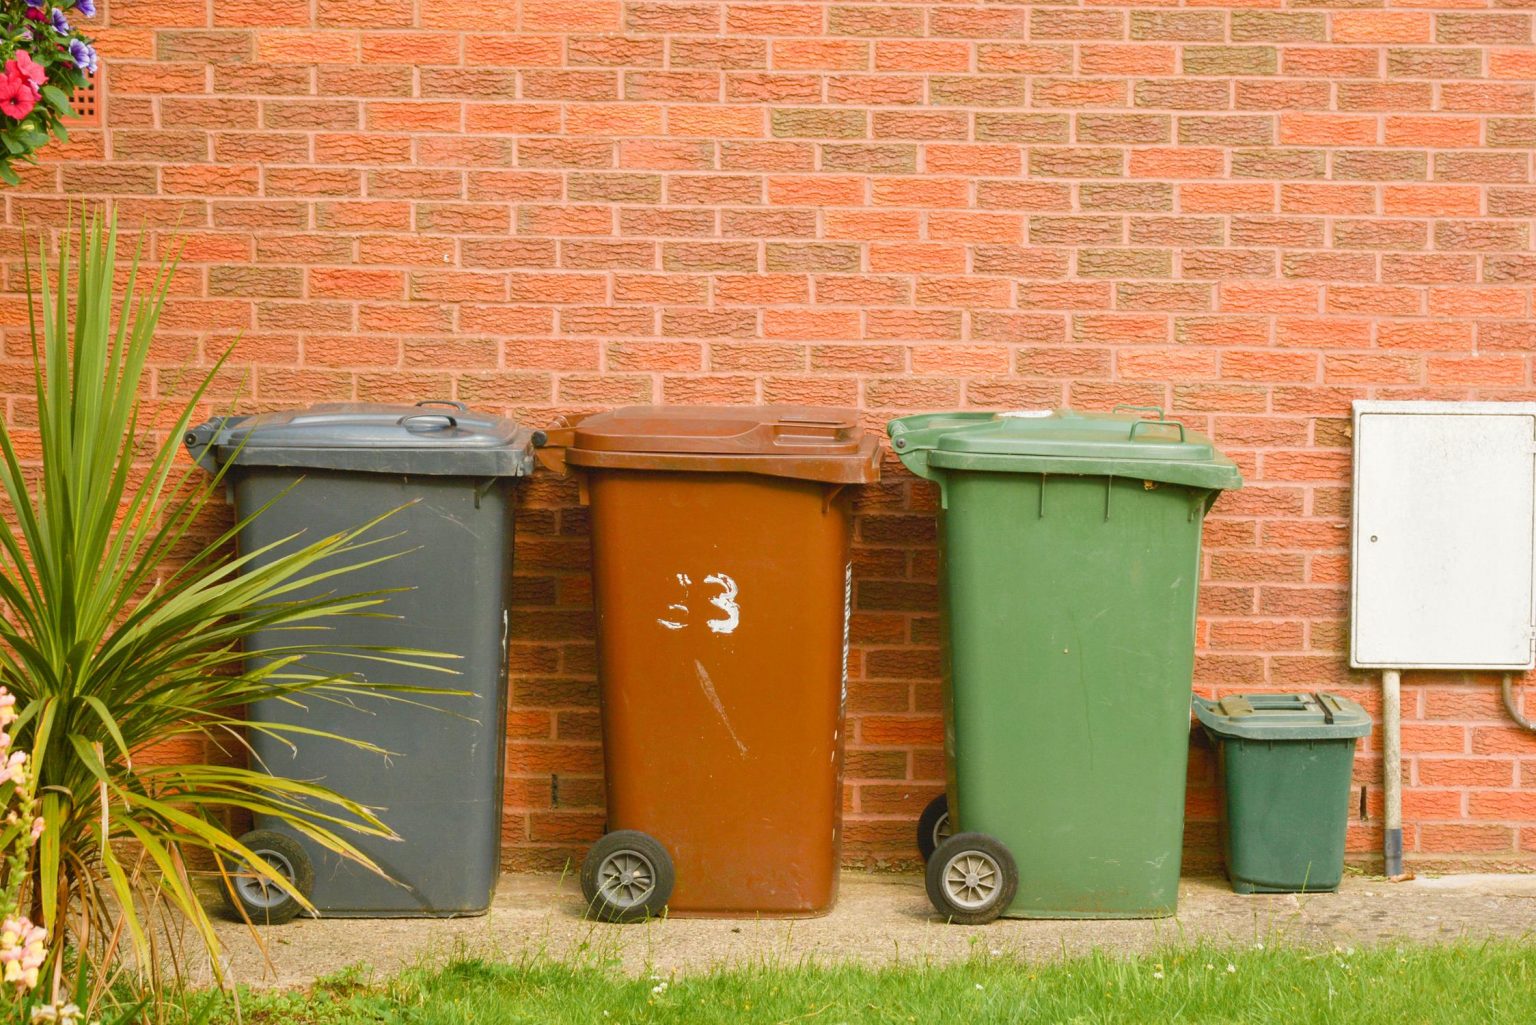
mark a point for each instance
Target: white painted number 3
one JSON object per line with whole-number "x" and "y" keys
{"x": 725, "y": 601}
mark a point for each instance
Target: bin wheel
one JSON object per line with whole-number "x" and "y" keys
{"x": 933, "y": 826}
{"x": 972, "y": 878}
{"x": 627, "y": 877}
{"x": 258, "y": 898}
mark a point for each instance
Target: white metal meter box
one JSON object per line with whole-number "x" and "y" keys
{"x": 1444, "y": 521}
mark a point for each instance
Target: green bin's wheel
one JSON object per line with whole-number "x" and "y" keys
{"x": 627, "y": 877}
{"x": 972, "y": 878}
{"x": 933, "y": 826}
{"x": 257, "y": 897}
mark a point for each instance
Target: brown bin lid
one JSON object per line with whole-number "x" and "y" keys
{"x": 810, "y": 442}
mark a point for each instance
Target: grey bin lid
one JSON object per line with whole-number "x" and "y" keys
{"x": 429, "y": 438}
{"x": 1316, "y": 716}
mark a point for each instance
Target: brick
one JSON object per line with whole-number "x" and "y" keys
{"x": 820, "y": 54}
{"x": 1380, "y": 165}
{"x": 979, "y": 23}
{"x": 1434, "y": 62}
{"x": 1482, "y": 27}
{"x": 813, "y": 122}
{"x": 557, "y": 16}
{"x": 1231, "y": 60}
{"x": 1002, "y": 126}
{"x": 1127, "y": 129}
{"x": 1115, "y": 59}
{"x": 1055, "y": 93}
{"x": 1124, "y": 263}
{"x": 976, "y": 91}
{"x": 1070, "y": 24}
{"x": 914, "y": 55}
{"x": 1276, "y": 95}
{"x": 1446, "y": 132}
{"x": 858, "y": 20}
{"x": 1327, "y": 130}
{"x": 1182, "y": 94}
{"x": 1381, "y": 27}
{"x": 874, "y": 90}
{"x": 1488, "y": 97}
{"x": 1389, "y": 96}
{"x": 1226, "y": 130}
{"x": 1021, "y": 58}
{"x": 672, "y": 86}
{"x": 1079, "y": 162}
{"x": 1279, "y": 26}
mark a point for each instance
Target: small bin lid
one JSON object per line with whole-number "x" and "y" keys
{"x": 1118, "y": 444}
{"x": 806, "y": 442}
{"x": 1316, "y": 716}
{"x": 428, "y": 438}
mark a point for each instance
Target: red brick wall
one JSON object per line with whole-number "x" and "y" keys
{"x": 1250, "y": 215}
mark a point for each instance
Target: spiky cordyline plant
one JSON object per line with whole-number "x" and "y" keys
{"x": 114, "y": 639}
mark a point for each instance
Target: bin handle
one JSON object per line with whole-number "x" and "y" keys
{"x": 452, "y": 403}
{"x": 1322, "y": 703}
{"x": 405, "y": 421}
{"x": 1129, "y": 408}
{"x": 1157, "y": 423}
{"x": 557, "y": 437}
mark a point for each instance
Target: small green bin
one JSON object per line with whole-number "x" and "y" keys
{"x": 1285, "y": 763}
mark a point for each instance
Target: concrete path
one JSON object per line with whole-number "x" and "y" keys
{"x": 879, "y": 919}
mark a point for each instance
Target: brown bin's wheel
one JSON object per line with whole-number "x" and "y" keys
{"x": 933, "y": 826}
{"x": 261, "y": 900}
{"x": 627, "y": 877}
{"x": 972, "y": 878}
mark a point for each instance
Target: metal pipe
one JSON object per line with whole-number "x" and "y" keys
{"x": 1392, "y": 769}
{"x": 1509, "y": 704}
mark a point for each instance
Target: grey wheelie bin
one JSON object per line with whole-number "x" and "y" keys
{"x": 448, "y": 475}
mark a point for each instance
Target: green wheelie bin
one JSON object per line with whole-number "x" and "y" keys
{"x": 1069, "y": 564}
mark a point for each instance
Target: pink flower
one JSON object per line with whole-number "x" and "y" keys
{"x": 29, "y": 67}
{"x": 18, "y": 95}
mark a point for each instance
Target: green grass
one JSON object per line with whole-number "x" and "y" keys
{"x": 1483, "y": 983}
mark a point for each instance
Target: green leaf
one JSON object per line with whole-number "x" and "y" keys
{"x": 57, "y": 99}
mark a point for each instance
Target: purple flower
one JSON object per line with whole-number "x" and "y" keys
{"x": 26, "y": 35}
{"x": 60, "y": 23}
{"x": 34, "y": 3}
{"x": 84, "y": 57}
{"x": 87, "y": 8}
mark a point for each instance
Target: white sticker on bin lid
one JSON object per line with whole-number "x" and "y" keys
{"x": 1026, "y": 414}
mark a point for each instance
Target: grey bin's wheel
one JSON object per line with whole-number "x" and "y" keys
{"x": 627, "y": 877}
{"x": 260, "y": 899}
{"x": 933, "y": 826}
{"x": 972, "y": 878}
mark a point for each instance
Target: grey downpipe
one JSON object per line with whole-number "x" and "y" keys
{"x": 1392, "y": 770}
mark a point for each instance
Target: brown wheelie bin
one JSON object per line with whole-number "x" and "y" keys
{"x": 720, "y": 542}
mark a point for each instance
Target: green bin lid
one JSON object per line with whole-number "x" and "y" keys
{"x": 1315, "y": 716}
{"x": 1118, "y": 444}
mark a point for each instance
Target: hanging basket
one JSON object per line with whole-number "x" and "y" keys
{"x": 44, "y": 57}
